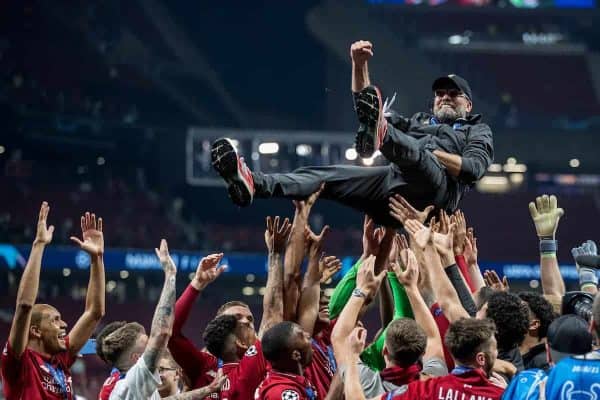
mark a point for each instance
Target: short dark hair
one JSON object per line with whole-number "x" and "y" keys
{"x": 405, "y": 341}
{"x": 468, "y": 336}
{"x": 541, "y": 308}
{"x": 596, "y": 314}
{"x": 217, "y": 333}
{"x": 107, "y": 330}
{"x": 276, "y": 341}
{"x": 511, "y": 316}
{"x": 120, "y": 340}
{"x": 230, "y": 304}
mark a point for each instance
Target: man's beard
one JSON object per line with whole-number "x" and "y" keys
{"x": 447, "y": 115}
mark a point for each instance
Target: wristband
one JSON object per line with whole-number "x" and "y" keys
{"x": 587, "y": 276}
{"x": 548, "y": 246}
{"x": 359, "y": 293}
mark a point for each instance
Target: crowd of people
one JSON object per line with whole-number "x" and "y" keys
{"x": 448, "y": 329}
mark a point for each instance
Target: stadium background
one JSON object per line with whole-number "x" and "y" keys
{"x": 110, "y": 106}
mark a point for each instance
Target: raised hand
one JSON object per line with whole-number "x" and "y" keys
{"x": 305, "y": 206}
{"x": 314, "y": 241}
{"x": 208, "y": 270}
{"x": 402, "y": 210}
{"x": 371, "y": 237}
{"x": 587, "y": 248}
{"x": 360, "y": 52}
{"x": 366, "y": 280}
{"x": 545, "y": 214}
{"x": 166, "y": 262}
{"x": 409, "y": 277}
{"x": 93, "y": 238}
{"x": 443, "y": 239}
{"x": 492, "y": 280}
{"x": 419, "y": 233}
{"x": 328, "y": 267}
{"x": 470, "y": 251}
{"x": 276, "y": 235}
{"x": 460, "y": 233}
{"x": 356, "y": 341}
{"x": 43, "y": 234}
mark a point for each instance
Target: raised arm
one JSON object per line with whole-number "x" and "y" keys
{"x": 276, "y": 237}
{"x": 193, "y": 361}
{"x": 367, "y": 285}
{"x": 308, "y": 308}
{"x": 294, "y": 254}
{"x": 162, "y": 322}
{"x": 545, "y": 215}
{"x": 360, "y": 52}
{"x": 93, "y": 244}
{"x": 470, "y": 255}
{"x": 28, "y": 287}
{"x": 442, "y": 288}
{"x": 409, "y": 278}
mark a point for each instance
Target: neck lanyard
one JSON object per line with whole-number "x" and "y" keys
{"x": 310, "y": 393}
{"x": 434, "y": 121}
{"x": 116, "y": 371}
{"x": 460, "y": 369}
{"x": 59, "y": 377}
{"x": 329, "y": 355}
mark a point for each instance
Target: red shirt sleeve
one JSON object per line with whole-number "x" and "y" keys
{"x": 193, "y": 361}
{"x": 10, "y": 367}
{"x": 443, "y": 324}
{"x": 250, "y": 372}
{"x": 461, "y": 262}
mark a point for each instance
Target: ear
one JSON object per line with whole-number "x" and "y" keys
{"x": 240, "y": 345}
{"x": 534, "y": 325}
{"x": 469, "y": 106}
{"x": 35, "y": 331}
{"x": 296, "y": 356}
{"x": 480, "y": 359}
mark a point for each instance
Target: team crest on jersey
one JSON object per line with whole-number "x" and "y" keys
{"x": 251, "y": 352}
{"x": 290, "y": 395}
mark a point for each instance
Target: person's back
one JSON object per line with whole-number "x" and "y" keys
{"x": 577, "y": 375}
{"x": 468, "y": 384}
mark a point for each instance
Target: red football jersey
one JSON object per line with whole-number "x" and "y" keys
{"x": 244, "y": 377}
{"x": 323, "y": 366}
{"x": 281, "y": 386}
{"x": 471, "y": 385}
{"x": 35, "y": 377}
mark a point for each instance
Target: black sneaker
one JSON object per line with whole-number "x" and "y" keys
{"x": 234, "y": 171}
{"x": 372, "y": 124}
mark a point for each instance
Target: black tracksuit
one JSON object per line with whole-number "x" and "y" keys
{"x": 414, "y": 172}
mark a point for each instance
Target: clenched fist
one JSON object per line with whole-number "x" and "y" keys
{"x": 360, "y": 52}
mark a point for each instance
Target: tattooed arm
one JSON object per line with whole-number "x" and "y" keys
{"x": 199, "y": 394}
{"x": 276, "y": 237}
{"x": 162, "y": 323}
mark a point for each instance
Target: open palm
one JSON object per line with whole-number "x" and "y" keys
{"x": 208, "y": 268}
{"x": 93, "y": 238}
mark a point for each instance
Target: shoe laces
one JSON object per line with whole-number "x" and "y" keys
{"x": 387, "y": 105}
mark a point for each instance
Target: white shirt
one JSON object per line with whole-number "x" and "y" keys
{"x": 139, "y": 384}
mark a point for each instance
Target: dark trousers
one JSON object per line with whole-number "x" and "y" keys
{"x": 414, "y": 173}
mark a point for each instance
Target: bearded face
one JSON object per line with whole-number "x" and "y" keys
{"x": 450, "y": 104}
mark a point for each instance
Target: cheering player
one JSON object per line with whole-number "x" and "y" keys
{"x": 36, "y": 361}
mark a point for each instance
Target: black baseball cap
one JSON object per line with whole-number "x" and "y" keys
{"x": 453, "y": 80}
{"x": 569, "y": 335}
